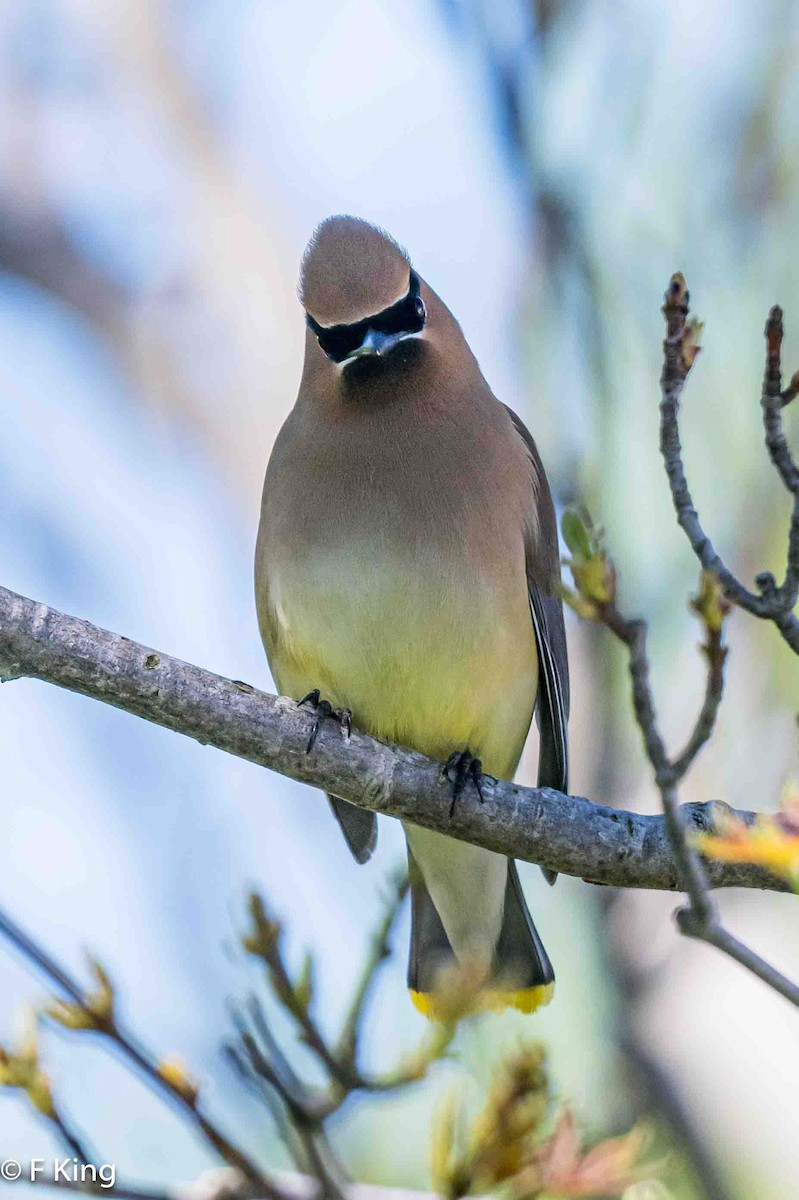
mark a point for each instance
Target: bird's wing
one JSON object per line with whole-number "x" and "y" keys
{"x": 358, "y": 825}
{"x": 546, "y": 608}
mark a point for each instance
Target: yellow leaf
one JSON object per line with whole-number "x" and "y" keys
{"x": 595, "y": 578}
{"x": 765, "y": 843}
{"x": 710, "y": 604}
{"x": 20, "y": 1068}
{"x": 101, "y": 1002}
{"x": 174, "y": 1073}
{"x": 71, "y": 1016}
{"x": 40, "y": 1094}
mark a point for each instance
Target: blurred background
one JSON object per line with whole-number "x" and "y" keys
{"x": 548, "y": 165}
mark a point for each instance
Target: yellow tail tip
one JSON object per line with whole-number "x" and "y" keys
{"x": 438, "y": 1006}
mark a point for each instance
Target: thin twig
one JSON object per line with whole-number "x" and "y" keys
{"x": 261, "y": 1061}
{"x": 302, "y": 1109}
{"x": 141, "y": 1060}
{"x": 672, "y": 380}
{"x": 700, "y": 919}
{"x": 715, "y": 656}
{"x": 264, "y": 1056}
{"x": 715, "y": 935}
{"x": 773, "y": 401}
{"x": 661, "y": 1093}
{"x": 348, "y": 1045}
{"x": 265, "y": 943}
{"x": 679, "y": 351}
{"x": 287, "y": 1131}
{"x": 633, "y": 634}
{"x": 304, "y": 1131}
{"x": 689, "y": 865}
{"x": 71, "y": 1138}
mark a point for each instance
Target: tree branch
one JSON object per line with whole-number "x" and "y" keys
{"x": 681, "y": 345}
{"x": 595, "y": 599}
{"x": 690, "y": 868}
{"x": 680, "y": 348}
{"x": 715, "y": 656}
{"x": 140, "y": 1060}
{"x": 774, "y": 400}
{"x": 568, "y": 834}
{"x": 699, "y": 919}
{"x": 707, "y": 929}
{"x": 301, "y": 1111}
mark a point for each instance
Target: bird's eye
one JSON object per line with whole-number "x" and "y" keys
{"x": 340, "y": 341}
{"x": 407, "y": 316}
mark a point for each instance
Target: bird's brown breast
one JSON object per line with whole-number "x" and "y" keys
{"x": 394, "y": 577}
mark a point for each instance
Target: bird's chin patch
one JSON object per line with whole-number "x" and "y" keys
{"x": 370, "y": 368}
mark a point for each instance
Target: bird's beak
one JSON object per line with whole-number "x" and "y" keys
{"x": 376, "y": 344}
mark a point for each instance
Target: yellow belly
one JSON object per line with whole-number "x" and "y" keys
{"x": 431, "y": 659}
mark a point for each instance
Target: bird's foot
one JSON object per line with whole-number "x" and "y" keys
{"x": 325, "y": 712}
{"x": 458, "y": 770}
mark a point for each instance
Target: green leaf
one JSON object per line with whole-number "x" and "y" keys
{"x": 575, "y": 534}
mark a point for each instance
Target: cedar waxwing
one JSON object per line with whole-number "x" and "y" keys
{"x": 406, "y": 571}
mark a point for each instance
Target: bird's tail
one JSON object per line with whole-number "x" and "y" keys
{"x": 521, "y": 974}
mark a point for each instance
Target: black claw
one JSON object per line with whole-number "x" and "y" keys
{"x": 465, "y": 767}
{"x": 324, "y": 712}
{"x": 476, "y": 772}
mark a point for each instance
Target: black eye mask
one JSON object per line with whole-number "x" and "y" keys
{"x": 408, "y": 315}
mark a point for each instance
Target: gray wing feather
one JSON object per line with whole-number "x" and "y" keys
{"x": 546, "y": 610}
{"x": 552, "y": 707}
{"x": 358, "y": 825}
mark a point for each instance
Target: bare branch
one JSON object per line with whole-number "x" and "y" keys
{"x": 265, "y": 943}
{"x": 700, "y": 919}
{"x": 71, "y": 1138}
{"x": 140, "y": 1059}
{"x": 773, "y": 401}
{"x": 680, "y": 347}
{"x": 660, "y": 1093}
{"x": 713, "y": 933}
{"x": 595, "y": 578}
{"x": 348, "y": 1047}
{"x": 715, "y": 656}
{"x": 312, "y": 1107}
{"x": 568, "y": 834}
{"x": 691, "y": 872}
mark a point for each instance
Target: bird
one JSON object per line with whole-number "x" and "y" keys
{"x": 406, "y": 579}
